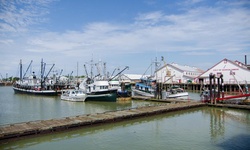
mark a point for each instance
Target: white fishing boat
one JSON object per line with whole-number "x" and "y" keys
{"x": 98, "y": 90}
{"x": 114, "y": 84}
{"x": 73, "y": 95}
{"x": 144, "y": 88}
{"x": 40, "y": 85}
{"x": 177, "y": 92}
{"x": 34, "y": 85}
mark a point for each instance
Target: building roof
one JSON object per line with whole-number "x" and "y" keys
{"x": 135, "y": 76}
{"x": 182, "y": 68}
{"x": 236, "y": 63}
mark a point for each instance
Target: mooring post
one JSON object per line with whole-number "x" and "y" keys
{"x": 210, "y": 87}
{"x": 161, "y": 91}
{"x": 214, "y": 85}
{"x": 218, "y": 89}
{"x": 222, "y": 86}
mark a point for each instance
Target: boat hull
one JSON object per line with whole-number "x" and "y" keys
{"x": 109, "y": 96}
{"x": 123, "y": 93}
{"x": 137, "y": 92}
{"x": 36, "y": 92}
{"x": 178, "y": 95}
{"x": 73, "y": 95}
{"x": 73, "y": 99}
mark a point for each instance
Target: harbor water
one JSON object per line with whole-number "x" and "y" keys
{"x": 196, "y": 128}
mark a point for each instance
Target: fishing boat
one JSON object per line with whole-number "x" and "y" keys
{"x": 176, "y": 92}
{"x": 25, "y": 87}
{"x": 114, "y": 84}
{"x": 123, "y": 89}
{"x": 43, "y": 84}
{"x": 34, "y": 85}
{"x": 98, "y": 90}
{"x": 146, "y": 87}
{"x": 73, "y": 95}
{"x": 100, "y": 87}
{"x": 205, "y": 95}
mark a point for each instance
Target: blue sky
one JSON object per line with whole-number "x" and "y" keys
{"x": 132, "y": 33}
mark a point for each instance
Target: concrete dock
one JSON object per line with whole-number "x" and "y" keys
{"x": 17, "y": 130}
{"x": 168, "y": 100}
{"x": 11, "y": 131}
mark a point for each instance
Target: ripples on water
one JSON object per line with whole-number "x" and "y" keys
{"x": 198, "y": 128}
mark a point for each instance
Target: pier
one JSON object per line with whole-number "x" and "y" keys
{"x": 4, "y": 83}
{"x": 17, "y": 130}
{"x": 228, "y": 88}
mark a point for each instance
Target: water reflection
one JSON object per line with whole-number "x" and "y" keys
{"x": 175, "y": 130}
{"x": 217, "y": 123}
{"x": 220, "y": 117}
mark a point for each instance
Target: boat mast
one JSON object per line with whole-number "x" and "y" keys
{"x": 21, "y": 68}
{"x": 85, "y": 68}
{"x": 77, "y": 72}
{"x": 42, "y": 69}
{"x": 28, "y": 68}
{"x": 104, "y": 71}
{"x": 91, "y": 71}
{"x": 41, "y": 80}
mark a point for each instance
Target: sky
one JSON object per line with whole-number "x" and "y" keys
{"x": 134, "y": 33}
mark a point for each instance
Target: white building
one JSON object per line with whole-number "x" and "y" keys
{"x": 175, "y": 73}
{"x": 233, "y": 72}
{"x": 131, "y": 78}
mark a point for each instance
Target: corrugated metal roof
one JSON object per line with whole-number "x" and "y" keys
{"x": 185, "y": 68}
{"x": 135, "y": 76}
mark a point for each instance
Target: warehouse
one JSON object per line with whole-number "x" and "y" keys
{"x": 175, "y": 73}
{"x": 234, "y": 72}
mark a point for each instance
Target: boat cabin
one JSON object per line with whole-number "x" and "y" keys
{"x": 98, "y": 86}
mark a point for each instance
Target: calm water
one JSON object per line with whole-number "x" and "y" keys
{"x": 21, "y": 107}
{"x": 198, "y": 128}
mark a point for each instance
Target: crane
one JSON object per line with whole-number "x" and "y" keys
{"x": 119, "y": 73}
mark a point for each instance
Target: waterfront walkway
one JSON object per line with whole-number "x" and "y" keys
{"x": 46, "y": 126}
{"x": 17, "y": 130}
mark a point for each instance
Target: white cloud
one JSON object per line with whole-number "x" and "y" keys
{"x": 17, "y": 16}
{"x": 197, "y": 31}
{"x": 6, "y": 41}
{"x": 150, "y": 18}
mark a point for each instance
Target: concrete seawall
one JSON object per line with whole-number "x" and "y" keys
{"x": 17, "y": 130}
